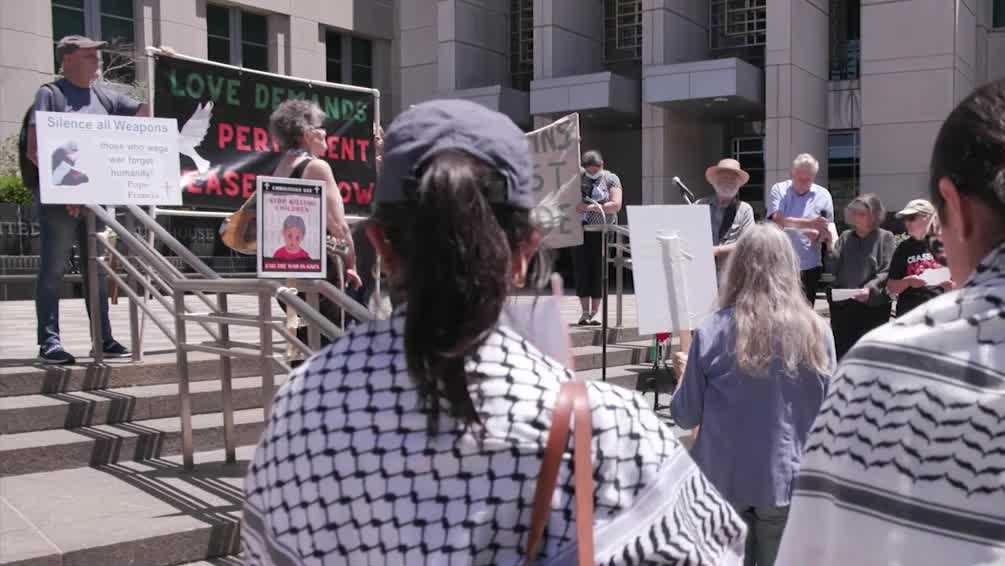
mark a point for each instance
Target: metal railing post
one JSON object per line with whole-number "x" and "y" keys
{"x": 313, "y": 331}
{"x": 226, "y": 384}
{"x": 619, "y": 276}
{"x": 93, "y": 294}
{"x": 268, "y": 379}
{"x": 184, "y": 396}
{"x": 135, "y": 335}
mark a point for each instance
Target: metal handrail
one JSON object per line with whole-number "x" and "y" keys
{"x": 619, "y": 246}
{"x": 143, "y": 272}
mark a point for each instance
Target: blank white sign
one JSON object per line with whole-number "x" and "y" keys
{"x": 693, "y": 224}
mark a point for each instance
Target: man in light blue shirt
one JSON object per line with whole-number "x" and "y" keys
{"x": 804, "y": 210}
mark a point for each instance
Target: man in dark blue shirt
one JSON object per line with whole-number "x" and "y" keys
{"x": 60, "y": 225}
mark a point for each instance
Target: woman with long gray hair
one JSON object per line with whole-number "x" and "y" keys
{"x": 860, "y": 263}
{"x": 754, "y": 380}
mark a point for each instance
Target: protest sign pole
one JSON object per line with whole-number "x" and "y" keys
{"x": 93, "y": 295}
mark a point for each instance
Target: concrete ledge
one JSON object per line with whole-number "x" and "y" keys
{"x": 28, "y": 377}
{"x": 149, "y": 513}
{"x": 50, "y": 450}
{"x": 684, "y": 84}
{"x": 26, "y": 413}
{"x": 511, "y": 102}
{"x": 595, "y": 91}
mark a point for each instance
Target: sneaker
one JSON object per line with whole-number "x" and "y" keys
{"x": 594, "y": 322}
{"x": 584, "y": 321}
{"x": 55, "y": 355}
{"x": 113, "y": 349}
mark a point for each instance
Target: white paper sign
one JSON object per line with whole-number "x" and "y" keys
{"x": 291, "y": 228}
{"x": 935, "y": 277}
{"x": 100, "y": 159}
{"x": 555, "y": 149}
{"x": 540, "y": 322}
{"x": 838, "y": 295}
{"x": 694, "y": 228}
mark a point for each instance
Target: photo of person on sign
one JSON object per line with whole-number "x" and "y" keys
{"x": 294, "y": 229}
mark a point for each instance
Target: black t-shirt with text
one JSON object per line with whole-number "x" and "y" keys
{"x": 912, "y": 257}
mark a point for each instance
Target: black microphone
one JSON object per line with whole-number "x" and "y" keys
{"x": 684, "y": 191}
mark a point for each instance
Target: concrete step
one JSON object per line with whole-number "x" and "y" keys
{"x": 25, "y": 413}
{"x": 148, "y": 513}
{"x": 48, "y": 450}
{"x": 591, "y": 335}
{"x": 24, "y": 378}
{"x": 621, "y": 354}
{"x": 156, "y": 368}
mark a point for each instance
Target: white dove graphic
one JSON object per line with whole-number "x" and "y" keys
{"x": 192, "y": 134}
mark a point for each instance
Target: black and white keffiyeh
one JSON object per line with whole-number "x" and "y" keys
{"x": 906, "y": 462}
{"x": 346, "y": 471}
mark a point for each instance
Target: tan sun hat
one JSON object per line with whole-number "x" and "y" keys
{"x": 727, "y": 165}
{"x": 917, "y": 206}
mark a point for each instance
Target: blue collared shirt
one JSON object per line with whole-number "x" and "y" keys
{"x": 815, "y": 202}
{"x": 753, "y": 428}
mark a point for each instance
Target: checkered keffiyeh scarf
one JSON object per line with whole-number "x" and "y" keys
{"x": 905, "y": 463}
{"x": 347, "y": 471}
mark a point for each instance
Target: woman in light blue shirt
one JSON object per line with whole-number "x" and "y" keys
{"x": 755, "y": 378}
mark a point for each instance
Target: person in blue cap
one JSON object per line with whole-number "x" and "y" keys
{"x": 419, "y": 439}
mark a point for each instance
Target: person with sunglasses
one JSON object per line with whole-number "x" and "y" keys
{"x": 914, "y": 256}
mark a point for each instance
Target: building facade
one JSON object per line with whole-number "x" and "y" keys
{"x": 663, "y": 87}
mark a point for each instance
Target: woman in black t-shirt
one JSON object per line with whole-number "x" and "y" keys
{"x": 914, "y": 256}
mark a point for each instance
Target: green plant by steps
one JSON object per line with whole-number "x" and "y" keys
{"x": 13, "y": 191}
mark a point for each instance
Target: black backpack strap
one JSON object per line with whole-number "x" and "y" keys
{"x": 298, "y": 171}
{"x": 58, "y": 98}
{"x": 728, "y": 216}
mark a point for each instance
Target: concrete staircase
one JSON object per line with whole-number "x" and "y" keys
{"x": 90, "y": 466}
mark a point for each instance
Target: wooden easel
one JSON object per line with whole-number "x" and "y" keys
{"x": 675, "y": 261}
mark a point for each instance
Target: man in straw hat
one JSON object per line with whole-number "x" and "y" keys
{"x": 730, "y": 216}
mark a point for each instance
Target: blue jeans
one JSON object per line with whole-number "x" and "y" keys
{"x": 59, "y": 231}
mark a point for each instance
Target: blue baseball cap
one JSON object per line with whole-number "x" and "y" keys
{"x": 426, "y": 129}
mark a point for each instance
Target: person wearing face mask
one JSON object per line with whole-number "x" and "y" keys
{"x": 603, "y": 187}
{"x": 730, "y": 216}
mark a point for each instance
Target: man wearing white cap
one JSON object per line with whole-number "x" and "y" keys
{"x": 730, "y": 216}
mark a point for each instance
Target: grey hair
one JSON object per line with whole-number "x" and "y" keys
{"x": 870, "y": 203}
{"x": 773, "y": 322}
{"x": 806, "y": 160}
{"x": 291, "y": 119}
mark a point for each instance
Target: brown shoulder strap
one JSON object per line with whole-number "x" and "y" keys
{"x": 572, "y": 398}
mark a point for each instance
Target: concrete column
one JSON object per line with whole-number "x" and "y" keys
{"x": 568, "y": 37}
{"x": 278, "y": 26}
{"x": 473, "y": 44}
{"x": 796, "y": 75}
{"x": 417, "y": 48}
{"x": 673, "y": 143}
{"x": 912, "y": 77}
{"x": 26, "y": 59}
{"x": 382, "y": 78}
{"x": 182, "y": 25}
{"x": 306, "y": 48}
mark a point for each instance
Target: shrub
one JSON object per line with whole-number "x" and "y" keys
{"x": 13, "y": 191}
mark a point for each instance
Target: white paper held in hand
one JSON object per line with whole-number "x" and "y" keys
{"x": 838, "y": 295}
{"x": 934, "y": 277}
{"x": 540, "y": 322}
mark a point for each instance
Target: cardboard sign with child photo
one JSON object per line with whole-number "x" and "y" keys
{"x": 291, "y": 215}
